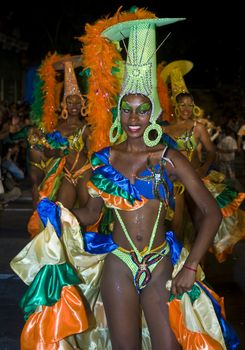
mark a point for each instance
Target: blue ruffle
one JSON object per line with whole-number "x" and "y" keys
{"x": 97, "y": 243}
{"x": 174, "y": 246}
{"x": 48, "y": 210}
{"x": 56, "y": 140}
{"x": 231, "y": 339}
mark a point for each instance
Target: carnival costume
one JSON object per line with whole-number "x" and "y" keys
{"x": 44, "y": 259}
{"x": 45, "y": 136}
{"x": 232, "y": 228}
{"x": 42, "y": 265}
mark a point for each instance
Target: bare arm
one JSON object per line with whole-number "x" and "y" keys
{"x": 89, "y": 214}
{"x": 210, "y": 148}
{"x": 211, "y": 218}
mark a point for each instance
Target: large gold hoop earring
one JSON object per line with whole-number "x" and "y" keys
{"x": 177, "y": 112}
{"x": 64, "y": 114}
{"x": 84, "y": 108}
{"x": 156, "y": 127}
{"x": 115, "y": 126}
{"x": 197, "y": 111}
{"x": 84, "y": 111}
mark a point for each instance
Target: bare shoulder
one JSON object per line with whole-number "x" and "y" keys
{"x": 177, "y": 163}
{"x": 200, "y": 127}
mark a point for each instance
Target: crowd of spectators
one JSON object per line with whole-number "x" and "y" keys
{"x": 14, "y": 124}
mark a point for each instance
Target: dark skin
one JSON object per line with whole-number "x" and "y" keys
{"x": 185, "y": 123}
{"x": 68, "y": 193}
{"x": 119, "y": 294}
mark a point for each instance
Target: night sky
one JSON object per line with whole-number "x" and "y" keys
{"x": 211, "y": 39}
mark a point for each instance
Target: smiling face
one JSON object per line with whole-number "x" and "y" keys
{"x": 185, "y": 105}
{"x": 74, "y": 105}
{"x": 135, "y": 114}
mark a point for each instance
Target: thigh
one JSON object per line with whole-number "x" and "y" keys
{"x": 82, "y": 192}
{"x": 154, "y": 300}
{"x": 121, "y": 302}
{"x": 66, "y": 194}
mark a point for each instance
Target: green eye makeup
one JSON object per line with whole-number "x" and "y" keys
{"x": 126, "y": 106}
{"x": 145, "y": 107}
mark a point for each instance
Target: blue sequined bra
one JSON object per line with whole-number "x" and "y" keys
{"x": 151, "y": 183}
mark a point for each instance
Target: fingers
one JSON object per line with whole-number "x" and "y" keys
{"x": 178, "y": 290}
{"x": 182, "y": 283}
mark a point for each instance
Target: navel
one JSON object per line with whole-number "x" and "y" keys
{"x": 139, "y": 237}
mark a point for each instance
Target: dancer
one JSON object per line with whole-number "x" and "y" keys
{"x": 135, "y": 179}
{"x": 187, "y": 134}
{"x": 59, "y": 165}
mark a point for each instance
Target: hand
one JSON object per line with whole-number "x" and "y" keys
{"x": 183, "y": 281}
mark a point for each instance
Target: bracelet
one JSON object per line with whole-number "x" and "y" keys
{"x": 189, "y": 268}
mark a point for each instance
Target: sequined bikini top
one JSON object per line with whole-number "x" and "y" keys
{"x": 186, "y": 142}
{"x": 55, "y": 140}
{"x": 75, "y": 140}
{"x": 118, "y": 192}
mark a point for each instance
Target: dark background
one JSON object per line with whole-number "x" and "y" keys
{"x": 212, "y": 37}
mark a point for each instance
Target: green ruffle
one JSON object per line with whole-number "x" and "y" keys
{"x": 107, "y": 186}
{"x": 96, "y": 161}
{"x": 46, "y": 287}
{"x": 53, "y": 169}
{"x": 226, "y": 197}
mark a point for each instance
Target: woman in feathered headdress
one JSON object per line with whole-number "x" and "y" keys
{"x": 188, "y": 133}
{"x": 140, "y": 267}
{"x": 59, "y": 143}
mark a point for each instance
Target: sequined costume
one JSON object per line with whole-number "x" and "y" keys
{"x": 55, "y": 168}
{"x": 43, "y": 263}
{"x": 232, "y": 228}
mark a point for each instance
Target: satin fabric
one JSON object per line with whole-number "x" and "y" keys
{"x": 150, "y": 183}
{"x": 112, "y": 201}
{"x": 89, "y": 269}
{"x": 46, "y": 328}
{"x": 47, "y": 287}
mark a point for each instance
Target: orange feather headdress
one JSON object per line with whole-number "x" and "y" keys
{"x": 47, "y": 74}
{"x": 100, "y": 56}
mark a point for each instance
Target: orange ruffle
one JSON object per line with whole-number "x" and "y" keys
{"x": 46, "y": 328}
{"x": 116, "y": 201}
{"x": 230, "y": 208}
{"x": 48, "y": 185}
{"x": 34, "y": 225}
{"x": 188, "y": 339}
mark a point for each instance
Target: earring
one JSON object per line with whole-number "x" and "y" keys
{"x": 115, "y": 126}
{"x": 158, "y": 129}
{"x": 197, "y": 111}
{"x": 177, "y": 112}
{"x": 84, "y": 111}
{"x": 64, "y": 114}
